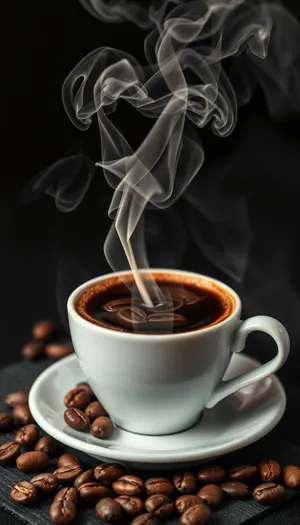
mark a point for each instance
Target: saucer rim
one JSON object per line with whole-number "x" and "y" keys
{"x": 162, "y": 457}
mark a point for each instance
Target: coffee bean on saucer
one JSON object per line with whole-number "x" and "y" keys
{"x": 77, "y": 398}
{"x": 58, "y": 351}
{"x": 267, "y": 493}
{"x": 130, "y": 504}
{"x": 6, "y": 422}
{"x": 196, "y": 515}
{"x": 145, "y": 519}
{"x": 93, "y": 491}
{"x": 67, "y": 459}
{"x": 185, "y": 482}
{"x": 159, "y": 486}
{"x": 242, "y": 472}
{"x": 185, "y": 502}
{"x": 32, "y": 462}
{"x": 212, "y": 495}
{"x": 76, "y": 418}
{"x": 235, "y": 489}
{"x": 107, "y": 473}
{"x": 9, "y": 452}
{"x": 269, "y": 469}
{"x": 22, "y": 414}
{"x": 43, "y": 329}
{"x": 87, "y": 388}
{"x": 67, "y": 475}
{"x": 291, "y": 476}
{"x": 67, "y": 494}
{"x": 160, "y": 505}
{"x": 213, "y": 474}
{"x": 28, "y": 435}
{"x": 19, "y": 397}
{"x": 24, "y": 493}
{"x": 62, "y": 512}
{"x": 107, "y": 509}
{"x": 33, "y": 350}
{"x": 128, "y": 485}
{"x": 94, "y": 410}
{"x": 102, "y": 427}
{"x": 46, "y": 444}
{"x": 85, "y": 477}
{"x": 45, "y": 482}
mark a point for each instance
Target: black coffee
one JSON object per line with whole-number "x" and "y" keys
{"x": 187, "y": 307}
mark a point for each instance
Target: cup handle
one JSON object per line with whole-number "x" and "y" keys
{"x": 259, "y": 323}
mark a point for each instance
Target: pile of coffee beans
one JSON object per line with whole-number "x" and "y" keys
{"x": 45, "y": 343}
{"x": 116, "y": 494}
{"x": 84, "y": 412}
{"x": 192, "y": 495}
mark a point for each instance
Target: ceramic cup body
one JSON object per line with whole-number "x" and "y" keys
{"x": 160, "y": 384}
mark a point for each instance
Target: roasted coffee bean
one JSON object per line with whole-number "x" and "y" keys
{"x": 183, "y": 503}
{"x": 159, "y": 319}
{"x": 108, "y": 509}
{"x": 107, "y": 473}
{"x": 94, "y": 410}
{"x": 94, "y": 491}
{"x": 32, "y": 462}
{"x": 45, "y": 482}
{"x": 85, "y": 477}
{"x": 46, "y": 444}
{"x": 22, "y": 414}
{"x": 67, "y": 494}
{"x": 235, "y": 489}
{"x": 102, "y": 427}
{"x": 130, "y": 504}
{"x": 213, "y": 474}
{"x": 67, "y": 475}
{"x": 212, "y": 495}
{"x": 33, "y": 350}
{"x": 128, "y": 485}
{"x": 27, "y": 436}
{"x": 6, "y": 422}
{"x": 76, "y": 418}
{"x": 43, "y": 329}
{"x": 62, "y": 512}
{"x": 291, "y": 476}
{"x": 145, "y": 519}
{"x": 24, "y": 493}
{"x": 130, "y": 316}
{"x": 185, "y": 482}
{"x": 67, "y": 459}
{"x": 267, "y": 493}
{"x": 77, "y": 398}
{"x": 9, "y": 452}
{"x": 269, "y": 469}
{"x": 160, "y": 505}
{"x": 197, "y": 515}
{"x": 159, "y": 486}
{"x": 87, "y": 388}
{"x": 19, "y": 397}
{"x": 242, "y": 472}
{"x": 58, "y": 351}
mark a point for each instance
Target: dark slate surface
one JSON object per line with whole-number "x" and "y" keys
{"x": 21, "y": 375}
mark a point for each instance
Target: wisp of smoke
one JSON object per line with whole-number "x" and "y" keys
{"x": 184, "y": 87}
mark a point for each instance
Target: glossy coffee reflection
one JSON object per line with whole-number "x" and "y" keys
{"x": 187, "y": 307}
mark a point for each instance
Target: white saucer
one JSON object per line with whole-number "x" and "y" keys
{"x": 235, "y": 422}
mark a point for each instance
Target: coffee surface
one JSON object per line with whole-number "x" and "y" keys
{"x": 185, "y": 308}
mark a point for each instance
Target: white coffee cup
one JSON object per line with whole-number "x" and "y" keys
{"x": 159, "y": 384}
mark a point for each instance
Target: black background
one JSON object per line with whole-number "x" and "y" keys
{"x": 46, "y": 253}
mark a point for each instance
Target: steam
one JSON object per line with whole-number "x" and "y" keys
{"x": 144, "y": 16}
{"x": 189, "y": 83}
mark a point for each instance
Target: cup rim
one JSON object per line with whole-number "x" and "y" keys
{"x": 101, "y": 329}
